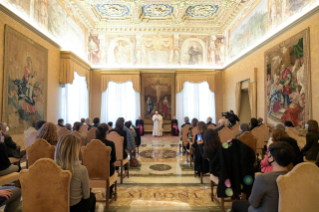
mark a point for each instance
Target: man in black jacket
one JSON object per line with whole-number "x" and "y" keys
{"x": 13, "y": 150}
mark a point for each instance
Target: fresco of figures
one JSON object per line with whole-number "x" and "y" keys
{"x": 25, "y": 81}
{"x": 261, "y": 20}
{"x": 156, "y": 50}
{"x": 52, "y": 16}
{"x": 287, "y": 81}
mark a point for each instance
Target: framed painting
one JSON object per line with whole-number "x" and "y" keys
{"x": 287, "y": 81}
{"x": 25, "y": 81}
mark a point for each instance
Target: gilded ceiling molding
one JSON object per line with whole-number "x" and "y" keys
{"x": 27, "y": 25}
{"x": 70, "y": 63}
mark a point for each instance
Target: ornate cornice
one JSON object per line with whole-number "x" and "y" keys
{"x": 76, "y": 59}
{"x": 27, "y": 25}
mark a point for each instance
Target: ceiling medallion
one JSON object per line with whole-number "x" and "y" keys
{"x": 201, "y": 10}
{"x": 157, "y": 10}
{"x": 113, "y": 10}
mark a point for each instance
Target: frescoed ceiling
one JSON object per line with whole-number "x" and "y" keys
{"x": 202, "y": 16}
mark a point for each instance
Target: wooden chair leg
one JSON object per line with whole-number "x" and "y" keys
{"x": 107, "y": 195}
{"x": 17, "y": 184}
{"x": 201, "y": 178}
{"x": 222, "y": 204}
{"x": 128, "y": 170}
{"x": 212, "y": 190}
{"x": 122, "y": 167}
{"x": 115, "y": 185}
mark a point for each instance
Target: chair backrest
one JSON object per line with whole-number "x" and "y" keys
{"x": 96, "y": 158}
{"x": 45, "y": 187}
{"x": 28, "y": 131}
{"x": 30, "y": 139}
{"x": 259, "y": 134}
{"x": 84, "y": 129}
{"x": 211, "y": 126}
{"x": 63, "y": 131}
{"x": 184, "y": 134}
{"x": 82, "y": 141}
{"x": 194, "y": 133}
{"x": 292, "y": 132}
{"x": 118, "y": 142}
{"x": 265, "y": 130}
{"x": 225, "y": 134}
{"x": 299, "y": 189}
{"x": 249, "y": 139}
{"x": 39, "y": 149}
{"x": 58, "y": 127}
{"x": 91, "y": 134}
{"x": 235, "y": 129}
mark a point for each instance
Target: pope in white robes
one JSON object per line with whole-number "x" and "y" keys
{"x": 157, "y": 126}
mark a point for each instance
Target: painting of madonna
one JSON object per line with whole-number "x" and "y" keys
{"x": 25, "y": 84}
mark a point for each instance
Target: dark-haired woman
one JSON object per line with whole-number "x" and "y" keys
{"x": 201, "y": 165}
{"x": 100, "y": 134}
{"x": 253, "y": 123}
{"x": 211, "y": 143}
{"x": 311, "y": 148}
{"x": 76, "y": 128}
{"x": 119, "y": 128}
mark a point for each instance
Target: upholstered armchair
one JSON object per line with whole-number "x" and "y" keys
{"x": 39, "y": 149}
{"x": 91, "y": 134}
{"x": 63, "y": 131}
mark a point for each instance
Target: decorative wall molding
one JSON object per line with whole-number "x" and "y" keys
{"x": 27, "y": 25}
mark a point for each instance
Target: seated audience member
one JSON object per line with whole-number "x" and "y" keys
{"x": 140, "y": 124}
{"x": 128, "y": 125}
{"x": 288, "y": 124}
{"x": 174, "y": 126}
{"x": 211, "y": 144}
{"x": 201, "y": 164}
{"x": 5, "y": 165}
{"x": 310, "y": 150}
{"x": 68, "y": 126}
{"x": 100, "y": 134}
{"x": 82, "y": 121}
{"x": 281, "y": 135}
{"x": 243, "y": 127}
{"x": 260, "y": 121}
{"x": 13, "y": 150}
{"x": 88, "y": 121}
{"x": 265, "y": 195}
{"x": 277, "y": 126}
{"x": 76, "y": 128}
{"x": 39, "y": 124}
{"x": 209, "y": 121}
{"x": 231, "y": 122}
{"x": 186, "y": 122}
{"x": 253, "y": 123}
{"x": 194, "y": 122}
{"x": 9, "y": 197}
{"x": 96, "y": 122}
{"x": 49, "y": 133}
{"x": 119, "y": 128}
{"x": 67, "y": 156}
{"x": 110, "y": 125}
{"x": 231, "y": 112}
{"x": 61, "y": 123}
{"x": 220, "y": 125}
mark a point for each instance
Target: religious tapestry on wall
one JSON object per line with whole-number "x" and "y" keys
{"x": 25, "y": 81}
{"x": 158, "y": 95}
{"x": 287, "y": 81}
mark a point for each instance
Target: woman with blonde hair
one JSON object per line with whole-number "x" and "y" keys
{"x": 67, "y": 156}
{"x": 49, "y": 132}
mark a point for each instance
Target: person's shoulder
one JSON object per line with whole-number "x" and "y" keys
{"x": 80, "y": 169}
{"x": 270, "y": 175}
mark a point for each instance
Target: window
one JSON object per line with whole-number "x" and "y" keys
{"x": 75, "y": 100}
{"x": 195, "y": 101}
{"x": 120, "y": 100}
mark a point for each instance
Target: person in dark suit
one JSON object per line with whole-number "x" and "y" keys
{"x": 265, "y": 195}
{"x": 96, "y": 122}
{"x": 253, "y": 123}
{"x": 140, "y": 124}
{"x": 174, "y": 126}
{"x": 61, "y": 122}
{"x": 13, "y": 150}
{"x": 209, "y": 121}
{"x": 310, "y": 150}
{"x": 221, "y": 125}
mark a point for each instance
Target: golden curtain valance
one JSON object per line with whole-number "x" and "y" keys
{"x": 69, "y": 64}
{"x": 182, "y": 78}
{"x": 106, "y": 78}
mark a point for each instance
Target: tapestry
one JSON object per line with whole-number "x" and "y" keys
{"x": 25, "y": 81}
{"x": 158, "y": 95}
{"x": 287, "y": 81}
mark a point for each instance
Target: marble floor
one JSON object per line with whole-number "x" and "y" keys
{"x": 164, "y": 181}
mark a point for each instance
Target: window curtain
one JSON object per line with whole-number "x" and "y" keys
{"x": 195, "y": 101}
{"x": 75, "y": 100}
{"x": 120, "y": 100}
{"x": 238, "y": 97}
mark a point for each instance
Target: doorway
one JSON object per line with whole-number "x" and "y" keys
{"x": 245, "y": 114}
